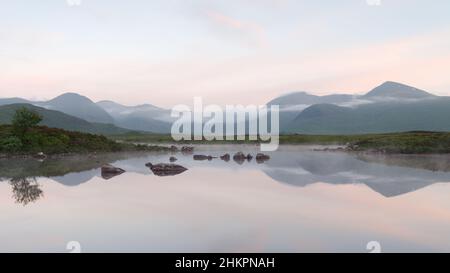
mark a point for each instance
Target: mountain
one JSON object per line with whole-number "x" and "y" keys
{"x": 396, "y": 90}
{"x": 381, "y": 117}
{"x": 390, "y": 107}
{"x": 303, "y": 98}
{"x": 7, "y": 101}
{"x": 145, "y": 117}
{"x": 55, "y": 119}
{"x": 78, "y": 106}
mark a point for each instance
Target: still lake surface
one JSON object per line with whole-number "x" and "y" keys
{"x": 299, "y": 201}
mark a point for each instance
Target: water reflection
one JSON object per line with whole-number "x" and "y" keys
{"x": 389, "y": 175}
{"x": 26, "y": 190}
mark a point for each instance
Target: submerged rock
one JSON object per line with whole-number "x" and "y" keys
{"x": 203, "y": 157}
{"x": 166, "y": 169}
{"x": 173, "y": 159}
{"x": 261, "y": 158}
{"x": 226, "y": 157}
{"x": 109, "y": 171}
{"x": 187, "y": 150}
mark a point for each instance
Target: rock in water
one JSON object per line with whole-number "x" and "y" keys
{"x": 173, "y": 159}
{"x": 109, "y": 171}
{"x": 166, "y": 169}
{"x": 225, "y": 157}
{"x": 249, "y": 157}
{"x": 261, "y": 158}
{"x": 239, "y": 157}
{"x": 40, "y": 156}
{"x": 187, "y": 150}
{"x": 203, "y": 157}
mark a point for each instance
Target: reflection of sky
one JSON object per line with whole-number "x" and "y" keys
{"x": 216, "y": 206}
{"x": 114, "y": 49}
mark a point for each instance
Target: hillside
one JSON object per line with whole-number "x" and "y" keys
{"x": 145, "y": 117}
{"x": 78, "y": 106}
{"x": 55, "y": 119}
{"x": 53, "y": 141}
{"x": 423, "y": 115}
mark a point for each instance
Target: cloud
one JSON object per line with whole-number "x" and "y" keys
{"x": 246, "y": 29}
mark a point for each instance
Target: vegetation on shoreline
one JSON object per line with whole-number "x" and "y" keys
{"x": 24, "y": 137}
{"x": 402, "y": 143}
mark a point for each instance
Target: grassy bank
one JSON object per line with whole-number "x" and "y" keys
{"x": 57, "y": 141}
{"x": 402, "y": 143}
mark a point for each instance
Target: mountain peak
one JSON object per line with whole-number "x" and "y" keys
{"x": 397, "y": 90}
{"x": 79, "y": 106}
{"x": 71, "y": 96}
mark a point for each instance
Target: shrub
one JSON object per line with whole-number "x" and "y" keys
{"x": 10, "y": 144}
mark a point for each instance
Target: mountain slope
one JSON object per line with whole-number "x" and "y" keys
{"x": 7, "y": 101}
{"x": 422, "y": 115}
{"x": 303, "y": 98}
{"x": 397, "y": 91}
{"x": 78, "y": 106}
{"x": 55, "y": 119}
{"x": 144, "y": 117}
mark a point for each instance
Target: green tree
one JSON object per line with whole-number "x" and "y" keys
{"x": 23, "y": 120}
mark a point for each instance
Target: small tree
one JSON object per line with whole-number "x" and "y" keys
{"x": 23, "y": 120}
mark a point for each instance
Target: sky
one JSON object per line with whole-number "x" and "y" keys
{"x": 166, "y": 52}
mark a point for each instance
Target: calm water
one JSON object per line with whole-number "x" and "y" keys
{"x": 299, "y": 201}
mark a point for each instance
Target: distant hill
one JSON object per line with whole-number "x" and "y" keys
{"x": 389, "y": 107}
{"x": 7, "y": 101}
{"x": 78, "y": 106}
{"x": 145, "y": 117}
{"x": 55, "y": 119}
{"x": 382, "y": 117}
{"x": 397, "y": 91}
{"x": 303, "y": 98}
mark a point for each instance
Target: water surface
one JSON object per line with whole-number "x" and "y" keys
{"x": 299, "y": 201}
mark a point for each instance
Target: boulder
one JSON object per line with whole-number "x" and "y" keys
{"x": 239, "y": 157}
{"x": 173, "y": 159}
{"x": 109, "y": 171}
{"x": 261, "y": 158}
{"x": 166, "y": 169}
{"x": 226, "y": 157}
{"x": 249, "y": 157}
{"x": 187, "y": 150}
{"x": 203, "y": 157}
{"x": 40, "y": 156}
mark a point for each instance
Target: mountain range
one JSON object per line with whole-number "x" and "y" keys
{"x": 390, "y": 107}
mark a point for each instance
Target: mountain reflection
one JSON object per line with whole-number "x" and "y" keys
{"x": 389, "y": 175}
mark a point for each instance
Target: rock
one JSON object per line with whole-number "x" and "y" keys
{"x": 239, "y": 157}
{"x": 249, "y": 157}
{"x": 166, "y": 169}
{"x": 173, "y": 148}
{"x": 187, "y": 150}
{"x": 173, "y": 159}
{"x": 40, "y": 155}
{"x": 261, "y": 158}
{"x": 203, "y": 157}
{"x": 226, "y": 157}
{"x": 109, "y": 171}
